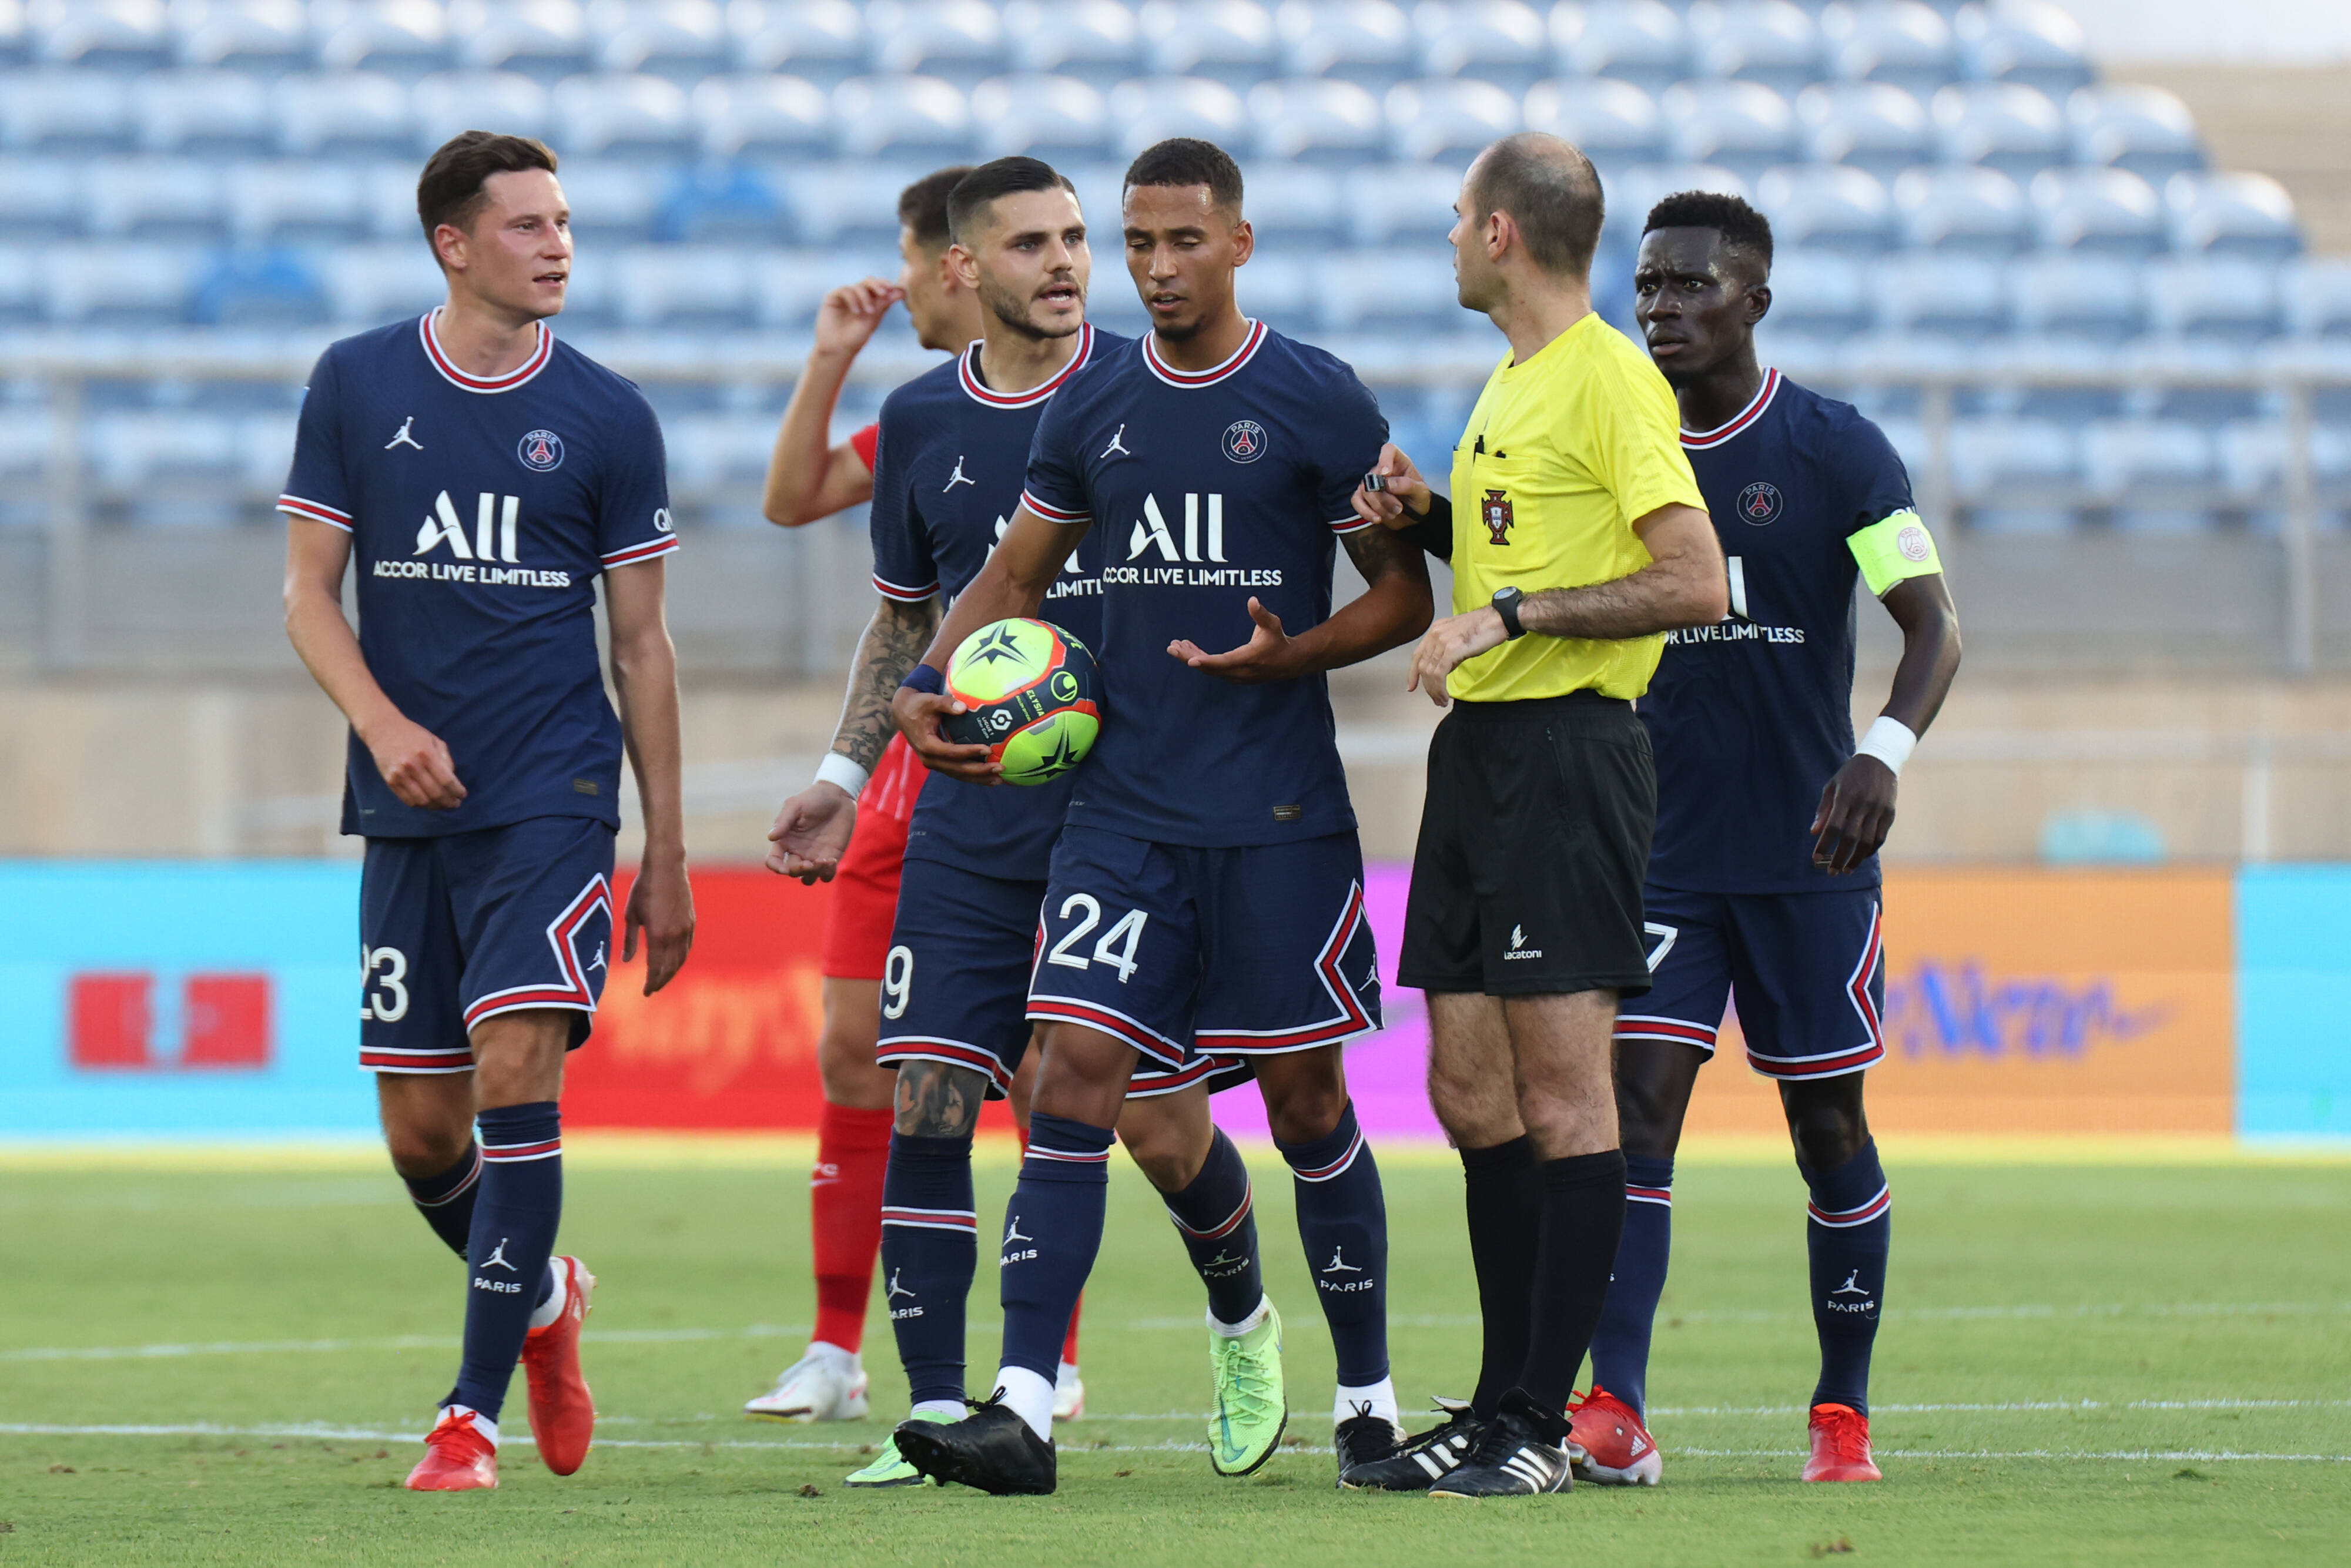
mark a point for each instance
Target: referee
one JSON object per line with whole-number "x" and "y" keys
{"x": 1579, "y": 540}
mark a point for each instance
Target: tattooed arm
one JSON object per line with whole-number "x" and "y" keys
{"x": 812, "y": 832}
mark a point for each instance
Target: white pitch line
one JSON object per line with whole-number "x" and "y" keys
{"x": 394, "y": 1342}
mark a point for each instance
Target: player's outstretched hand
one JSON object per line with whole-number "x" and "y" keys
{"x": 846, "y": 320}
{"x": 1403, "y": 498}
{"x": 661, "y": 909}
{"x": 1451, "y": 642}
{"x": 1268, "y": 656}
{"x": 919, "y": 716}
{"x": 811, "y": 832}
{"x": 1856, "y": 813}
{"x": 417, "y": 766}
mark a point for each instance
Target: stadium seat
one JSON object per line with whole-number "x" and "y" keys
{"x": 370, "y": 285}
{"x": 116, "y": 34}
{"x": 271, "y": 34}
{"x": 21, "y": 298}
{"x": 2015, "y": 475}
{"x": 1152, "y": 109}
{"x": 822, "y": 40}
{"x": 686, "y": 36}
{"x": 1402, "y": 205}
{"x": 1283, "y": 290}
{"x": 761, "y": 114}
{"x": 1367, "y": 41}
{"x": 1441, "y": 119}
{"x": 1332, "y": 120}
{"x": 1979, "y": 211}
{"x": 1504, "y": 42}
{"x": 613, "y": 201}
{"x": 1872, "y": 126}
{"x": 266, "y": 287}
{"x": 148, "y": 456}
{"x": 1393, "y": 291}
{"x": 1999, "y": 125}
{"x": 208, "y": 112}
{"x": 1963, "y": 296}
{"x": 1902, "y": 43}
{"x": 342, "y": 114}
{"x": 2317, "y": 298}
{"x": 787, "y": 286}
{"x": 280, "y": 202}
{"x": 15, "y": 37}
{"x": 707, "y": 451}
{"x": 263, "y": 443}
{"x": 154, "y": 198}
{"x": 2251, "y": 459}
{"x": 2151, "y": 472}
{"x": 2030, "y": 42}
{"x": 888, "y": 114}
{"x": 2229, "y": 299}
{"x": 40, "y": 198}
{"x": 726, "y": 204}
{"x": 2231, "y": 214}
{"x": 387, "y": 195}
{"x": 65, "y": 111}
{"x": 1826, "y": 207}
{"x": 645, "y": 116}
{"x": 545, "y": 37}
{"x": 670, "y": 287}
{"x": 117, "y": 285}
{"x": 1768, "y": 41}
{"x": 836, "y": 202}
{"x": 2107, "y": 212}
{"x": 1639, "y": 41}
{"x": 1233, "y": 40}
{"x": 403, "y": 35}
{"x": 1633, "y": 192}
{"x": 1296, "y": 207}
{"x": 2097, "y": 299}
{"x": 1047, "y": 116}
{"x": 1098, "y": 41}
{"x": 1738, "y": 125}
{"x": 1615, "y": 122}
{"x": 2142, "y": 129}
{"x": 959, "y": 40}
{"x": 446, "y": 102}
{"x": 1816, "y": 293}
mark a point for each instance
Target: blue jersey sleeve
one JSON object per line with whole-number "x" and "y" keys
{"x": 1352, "y": 430}
{"x": 317, "y": 487}
{"x": 1876, "y": 485}
{"x": 632, "y": 520}
{"x": 903, "y": 569}
{"x": 1056, "y": 485}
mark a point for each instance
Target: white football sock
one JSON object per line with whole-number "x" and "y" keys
{"x": 832, "y": 1352}
{"x": 1030, "y": 1397}
{"x": 945, "y": 1409}
{"x": 548, "y": 1310}
{"x": 482, "y": 1423}
{"x": 1380, "y": 1396}
{"x": 1247, "y": 1326}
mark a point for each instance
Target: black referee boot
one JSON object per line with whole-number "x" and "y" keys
{"x": 1421, "y": 1461}
{"x": 991, "y": 1448}
{"x": 1523, "y": 1452}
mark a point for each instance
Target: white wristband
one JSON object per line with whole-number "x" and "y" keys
{"x": 839, "y": 770}
{"x": 1890, "y": 741}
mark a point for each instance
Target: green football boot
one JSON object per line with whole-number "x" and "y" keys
{"x": 1251, "y": 1412}
{"x": 889, "y": 1468}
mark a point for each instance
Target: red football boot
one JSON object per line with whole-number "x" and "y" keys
{"x": 1616, "y": 1450}
{"x": 562, "y": 1411}
{"x": 1840, "y": 1445}
{"x": 458, "y": 1456}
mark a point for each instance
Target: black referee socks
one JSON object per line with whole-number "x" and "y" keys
{"x": 1583, "y": 1219}
{"x": 1504, "y": 1197}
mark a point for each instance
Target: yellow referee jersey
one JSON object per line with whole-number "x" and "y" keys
{"x": 1562, "y": 454}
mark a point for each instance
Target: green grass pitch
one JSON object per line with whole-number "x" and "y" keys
{"x": 2081, "y": 1362}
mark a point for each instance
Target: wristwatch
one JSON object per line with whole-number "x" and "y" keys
{"x": 1506, "y": 605}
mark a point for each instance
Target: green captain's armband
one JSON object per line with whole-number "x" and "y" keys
{"x": 1893, "y": 550}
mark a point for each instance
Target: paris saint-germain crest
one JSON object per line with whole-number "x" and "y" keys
{"x": 1498, "y": 516}
{"x": 1759, "y": 504}
{"x": 541, "y": 450}
{"x": 1245, "y": 441}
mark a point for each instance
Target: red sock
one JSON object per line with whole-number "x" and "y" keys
{"x": 1069, "y": 1340}
{"x": 853, "y": 1150}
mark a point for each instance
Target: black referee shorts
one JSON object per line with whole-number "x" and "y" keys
{"x": 1534, "y": 842}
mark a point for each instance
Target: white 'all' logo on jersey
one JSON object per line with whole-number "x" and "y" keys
{"x": 1152, "y": 529}
{"x": 497, "y": 519}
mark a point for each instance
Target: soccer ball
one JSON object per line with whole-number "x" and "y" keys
{"x": 1033, "y": 696}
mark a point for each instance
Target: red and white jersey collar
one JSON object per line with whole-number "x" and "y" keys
{"x": 455, "y": 377}
{"x": 967, "y": 370}
{"x": 1699, "y": 440}
{"x": 1176, "y": 378}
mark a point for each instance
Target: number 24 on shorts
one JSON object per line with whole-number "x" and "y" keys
{"x": 1114, "y": 947}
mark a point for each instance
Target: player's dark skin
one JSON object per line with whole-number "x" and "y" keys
{"x": 1696, "y": 301}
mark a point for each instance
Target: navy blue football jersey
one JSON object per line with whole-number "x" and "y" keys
{"x": 1207, "y": 489}
{"x": 946, "y": 480}
{"x": 1752, "y": 716}
{"x": 481, "y": 511}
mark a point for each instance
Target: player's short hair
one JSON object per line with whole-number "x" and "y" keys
{"x": 923, "y": 207}
{"x": 452, "y": 188}
{"x": 1742, "y": 228}
{"x": 978, "y": 191}
{"x": 1551, "y": 192}
{"x": 1188, "y": 160}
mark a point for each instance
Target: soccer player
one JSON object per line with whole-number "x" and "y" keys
{"x": 1579, "y": 538}
{"x": 1763, "y": 884}
{"x": 487, "y": 477}
{"x": 1206, "y": 897}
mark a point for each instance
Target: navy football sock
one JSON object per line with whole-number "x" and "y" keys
{"x": 930, "y": 1247}
{"x": 515, "y": 1220}
{"x": 1848, "y": 1234}
{"x": 1343, "y": 1219}
{"x": 1053, "y": 1229}
{"x": 1582, "y": 1220}
{"x": 1620, "y": 1346}
{"x": 447, "y": 1201}
{"x": 1219, "y": 1229}
{"x": 1503, "y": 1194}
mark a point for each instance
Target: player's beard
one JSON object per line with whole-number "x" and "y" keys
{"x": 1012, "y": 310}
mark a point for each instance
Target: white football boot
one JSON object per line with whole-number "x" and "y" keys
{"x": 1069, "y": 1393}
{"x": 825, "y": 1384}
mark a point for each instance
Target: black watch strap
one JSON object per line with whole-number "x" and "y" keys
{"x": 1506, "y": 605}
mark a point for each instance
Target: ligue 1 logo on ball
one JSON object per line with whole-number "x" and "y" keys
{"x": 541, "y": 450}
{"x": 1759, "y": 504}
{"x": 1245, "y": 441}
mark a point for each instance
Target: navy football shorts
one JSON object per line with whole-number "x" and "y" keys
{"x": 1195, "y": 957}
{"x": 465, "y": 926}
{"x": 1808, "y": 970}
